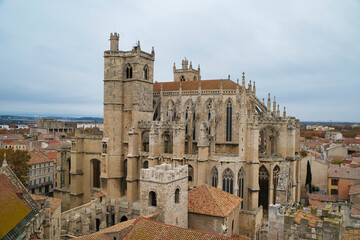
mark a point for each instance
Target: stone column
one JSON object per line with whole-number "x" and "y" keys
{"x": 132, "y": 169}
{"x": 178, "y": 141}
{"x": 271, "y": 185}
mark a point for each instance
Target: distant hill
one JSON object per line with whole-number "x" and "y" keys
{"x": 328, "y": 123}
{"x": 14, "y": 119}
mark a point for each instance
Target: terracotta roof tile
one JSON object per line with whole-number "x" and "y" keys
{"x": 212, "y": 201}
{"x": 351, "y": 234}
{"x": 95, "y": 236}
{"x": 354, "y": 189}
{"x": 38, "y": 157}
{"x": 11, "y": 137}
{"x": 99, "y": 194}
{"x": 13, "y": 209}
{"x": 144, "y": 228}
{"x": 322, "y": 197}
{"x": 53, "y": 155}
{"x": 194, "y": 85}
{"x": 302, "y": 214}
{"x": 343, "y": 172}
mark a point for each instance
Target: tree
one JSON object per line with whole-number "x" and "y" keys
{"x": 18, "y": 162}
{"x": 303, "y": 153}
{"x": 308, "y": 177}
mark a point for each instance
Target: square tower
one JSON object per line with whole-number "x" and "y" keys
{"x": 163, "y": 190}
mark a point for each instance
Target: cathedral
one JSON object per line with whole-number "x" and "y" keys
{"x": 226, "y": 136}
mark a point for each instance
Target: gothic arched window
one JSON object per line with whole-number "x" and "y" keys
{"x": 146, "y": 164}
{"x": 276, "y": 172}
{"x": 241, "y": 182}
{"x": 228, "y": 121}
{"x": 129, "y": 71}
{"x": 228, "y": 181}
{"x": 177, "y": 195}
{"x": 214, "y": 177}
{"x": 146, "y": 73}
{"x": 125, "y": 172}
{"x": 182, "y": 78}
{"x": 190, "y": 173}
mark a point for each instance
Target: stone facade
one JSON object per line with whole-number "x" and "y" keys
{"x": 227, "y": 137}
{"x": 170, "y": 189}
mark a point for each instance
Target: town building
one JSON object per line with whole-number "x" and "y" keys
{"x": 52, "y": 125}
{"x": 41, "y": 173}
{"x": 334, "y": 136}
{"x": 340, "y": 180}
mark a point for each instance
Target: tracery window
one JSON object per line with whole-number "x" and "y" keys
{"x": 182, "y": 78}
{"x": 214, "y": 177}
{"x": 145, "y": 73}
{"x": 228, "y": 181}
{"x": 241, "y": 182}
{"x": 190, "y": 173}
{"x": 228, "y": 121}
{"x": 129, "y": 71}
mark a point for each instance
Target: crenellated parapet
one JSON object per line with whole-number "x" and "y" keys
{"x": 163, "y": 173}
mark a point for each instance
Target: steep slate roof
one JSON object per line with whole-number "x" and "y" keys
{"x": 145, "y": 228}
{"x": 38, "y": 157}
{"x": 343, "y": 172}
{"x": 212, "y": 201}
{"x": 194, "y": 85}
{"x": 322, "y": 197}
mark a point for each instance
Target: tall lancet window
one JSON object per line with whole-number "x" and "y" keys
{"x": 129, "y": 71}
{"x": 228, "y": 181}
{"x": 228, "y": 121}
{"x": 208, "y": 109}
{"x": 214, "y": 177}
{"x": 146, "y": 73}
{"x": 241, "y": 179}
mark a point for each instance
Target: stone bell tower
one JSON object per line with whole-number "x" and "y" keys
{"x": 128, "y": 98}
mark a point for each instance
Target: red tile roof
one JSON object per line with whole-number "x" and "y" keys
{"x": 13, "y": 209}
{"x": 194, "y": 85}
{"x": 322, "y": 197}
{"x": 343, "y": 172}
{"x": 212, "y": 201}
{"x": 53, "y": 155}
{"x": 302, "y": 214}
{"x": 145, "y": 228}
{"x": 354, "y": 189}
{"x": 38, "y": 157}
{"x": 11, "y": 137}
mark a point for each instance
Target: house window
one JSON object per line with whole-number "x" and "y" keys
{"x": 335, "y": 182}
{"x": 334, "y": 192}
{"x": 152, "y": 199}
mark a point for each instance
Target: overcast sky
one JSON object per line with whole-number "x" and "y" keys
{"x": 306, "y": 53}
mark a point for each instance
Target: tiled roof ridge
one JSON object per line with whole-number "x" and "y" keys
{"x": 174, "y": 226}
{"x": 211, "y": 193}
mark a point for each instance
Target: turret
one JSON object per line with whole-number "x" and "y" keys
{"x": 184, "y": 64}
{"x": 274, "y": 105}
{"x": 269, "y": 103}
{"x": 114, "y": 42}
